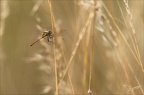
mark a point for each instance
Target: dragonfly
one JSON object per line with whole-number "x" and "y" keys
{"x": 44, "y": 34}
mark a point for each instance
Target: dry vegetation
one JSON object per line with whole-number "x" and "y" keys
{"x": 98, "y": 47}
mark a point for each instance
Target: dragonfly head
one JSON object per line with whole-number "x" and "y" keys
{"x": 49, "y": 32}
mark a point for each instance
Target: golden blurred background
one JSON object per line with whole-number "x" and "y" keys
{"x": 98, "y": 47}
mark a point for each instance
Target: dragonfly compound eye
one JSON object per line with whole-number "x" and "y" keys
{"x": 49, "y": 31}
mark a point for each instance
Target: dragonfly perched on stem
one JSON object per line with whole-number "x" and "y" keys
{"x": 44, "y": 34}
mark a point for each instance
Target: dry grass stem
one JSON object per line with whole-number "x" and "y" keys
{"x": 53, "y": 24}
{"x": 85, "y": 47}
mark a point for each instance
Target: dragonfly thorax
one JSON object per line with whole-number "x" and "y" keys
{"x": 46, "y": 33}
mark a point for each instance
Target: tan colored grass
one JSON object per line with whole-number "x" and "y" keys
{"x": 97, "y": 47}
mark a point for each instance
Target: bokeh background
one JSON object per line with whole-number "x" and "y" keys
{"x": 98, "y": 47}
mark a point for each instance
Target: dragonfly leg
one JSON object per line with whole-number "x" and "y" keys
{"x": 51, "y": 36}
{"x": 48, "y": 38}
